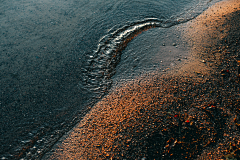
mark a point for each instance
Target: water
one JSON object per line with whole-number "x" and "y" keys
{"x": 59, "y": 57}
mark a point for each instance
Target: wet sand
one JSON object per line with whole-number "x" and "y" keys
{"x": 190, "y": 112}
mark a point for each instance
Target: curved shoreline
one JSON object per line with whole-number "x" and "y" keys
{"x": 158, "y": 115}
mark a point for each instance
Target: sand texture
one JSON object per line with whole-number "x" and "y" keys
{"x": 191, "y": 112}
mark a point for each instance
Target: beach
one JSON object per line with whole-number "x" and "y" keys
{"x": 192, "y": 111}
{"x": 59, "y": 58}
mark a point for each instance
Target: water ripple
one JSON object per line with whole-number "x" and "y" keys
{"x": 102, "y": 62}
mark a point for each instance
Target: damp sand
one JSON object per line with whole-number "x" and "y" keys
{"x": 191, "y": 112}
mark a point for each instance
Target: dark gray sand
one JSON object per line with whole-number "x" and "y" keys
{"x": 189, "y": 113}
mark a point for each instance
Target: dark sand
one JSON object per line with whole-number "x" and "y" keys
{"x": 191, "y": 112}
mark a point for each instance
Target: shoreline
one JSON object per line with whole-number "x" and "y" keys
{"x": 192, "y": 111}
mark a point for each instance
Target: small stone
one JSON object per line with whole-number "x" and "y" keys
{"x": 197, "y": 72}
{"x": 203, "y": 61}
{"x": 98, "y": 145}
{"x": 163, "y": 44}
{"x": 174, "y": 44}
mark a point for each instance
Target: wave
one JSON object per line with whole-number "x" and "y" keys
{"x": 101, "y": 64}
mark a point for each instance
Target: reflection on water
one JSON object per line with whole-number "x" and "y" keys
{"x": 49, "y": 54}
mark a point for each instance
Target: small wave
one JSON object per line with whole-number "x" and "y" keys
{"x": 101, "y": 64}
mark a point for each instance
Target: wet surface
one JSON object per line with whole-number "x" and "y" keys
{"x": 50, "y": 61}
{"x": 140, "y": 58}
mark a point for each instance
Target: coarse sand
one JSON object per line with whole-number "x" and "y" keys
{"x": 191, "y": 112}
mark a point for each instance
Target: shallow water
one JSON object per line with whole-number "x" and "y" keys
{"x": 59, "y": 57}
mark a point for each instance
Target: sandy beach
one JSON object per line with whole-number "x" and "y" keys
{"x": 190, "y": 112}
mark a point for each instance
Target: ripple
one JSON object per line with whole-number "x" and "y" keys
{"x": 101, "y": 64}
